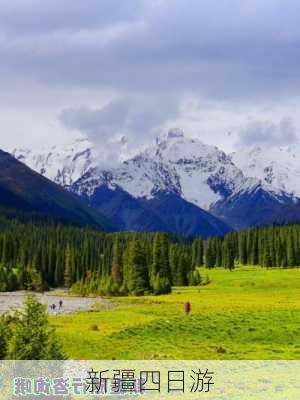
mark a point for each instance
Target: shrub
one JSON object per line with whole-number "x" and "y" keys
{"x": 5, "y": 334}
{"x": 94, "y": 327}
{"x": 221, "y": 350}
{"x": 194, "y": 278}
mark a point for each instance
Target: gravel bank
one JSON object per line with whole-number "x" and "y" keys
{"x": 9, "y": 300}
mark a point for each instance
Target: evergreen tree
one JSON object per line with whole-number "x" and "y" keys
{"x": 219, "y": 253}
{"x": 291, "y": 256}
{"x": 197, "y": 252}
{"x": 33, "y": 339}
{"x": 210, "y": 255}
{"x": 161, "y": 285}
{"x": 160, "y": 266}
{"x": 242, "y": 243}
{"x": 228, "y": 252}
{"x": 69, "y": 265}
{"x": 138, "y": 281}
{"x": 116, "y": 273}
{"x": 254, "y": 248}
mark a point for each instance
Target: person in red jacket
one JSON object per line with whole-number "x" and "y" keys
{"x": 187, "y": 308}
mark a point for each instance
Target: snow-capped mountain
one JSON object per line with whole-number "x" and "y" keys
{"x": 62, "y": 164}
{"x": 199, "y": 173}
{"x": 278, "y": 167}
{"x": 232, "y": 187}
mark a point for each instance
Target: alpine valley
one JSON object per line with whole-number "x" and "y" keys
{"x": 179, "y": 184}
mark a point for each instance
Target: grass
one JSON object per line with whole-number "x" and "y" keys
{"x": 250, "y": 313}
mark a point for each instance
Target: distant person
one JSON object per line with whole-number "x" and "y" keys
{"x": 54, "y": 307}
{"x": 60, "y": 304}
{"x": 187, "y": 308}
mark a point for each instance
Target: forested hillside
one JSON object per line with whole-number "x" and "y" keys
{"x": 42, "y": 255}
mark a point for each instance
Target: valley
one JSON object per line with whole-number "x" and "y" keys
{"x": 250, "y": 313}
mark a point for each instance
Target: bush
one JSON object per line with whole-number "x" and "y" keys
{"x": 207, "y": 280}
{"x": 77, "y": 288}
{"x": 5, "y": 334}
{"x": 94, "y": 327}
{"x": 34, "y": 281}
{"x": 221, "y": 350}
{"x": 93, "y": 286}
{"x": 194, "y": 278}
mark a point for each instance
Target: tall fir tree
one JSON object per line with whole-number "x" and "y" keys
{"x": 116, "y": 269}
{"x": 138, "y": 281}
{"x": 69, "y": 267}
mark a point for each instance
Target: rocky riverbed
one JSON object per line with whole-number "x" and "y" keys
{"x": 13, "y": 300}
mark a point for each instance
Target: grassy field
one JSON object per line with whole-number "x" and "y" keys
{"x": 250, "y": 313}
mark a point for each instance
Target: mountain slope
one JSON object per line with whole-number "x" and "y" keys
{"x": 286, "y": 214}
{"x": 22, "y": 189}
{"x": 254, "y": 207}
{"x": 126, "y": 212}
{"x": 185, "y": 218}
{"x": 166, "y": 212}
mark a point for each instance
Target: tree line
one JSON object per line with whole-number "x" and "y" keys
{"x": 37, "y": 256}
{"x": 269, "y": 247}
{"x": 40, "y": 255}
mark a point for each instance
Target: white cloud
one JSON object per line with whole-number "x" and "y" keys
{"x": 111, "y": 67}
{"x": 268, "y": 133}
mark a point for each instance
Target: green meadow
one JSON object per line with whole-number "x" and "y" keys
{"x": 249, "y": 313}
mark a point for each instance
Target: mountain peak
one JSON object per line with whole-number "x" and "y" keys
{"x": 175, "y": 133}
{"x": 277, "y": 167}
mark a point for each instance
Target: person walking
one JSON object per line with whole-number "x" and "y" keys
{"x": 187, "y": 308}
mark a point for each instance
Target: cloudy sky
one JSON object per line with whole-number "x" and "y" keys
{"x": 226, "y": 71}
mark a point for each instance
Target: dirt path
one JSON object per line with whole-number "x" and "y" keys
{"x": 9, "y": 300}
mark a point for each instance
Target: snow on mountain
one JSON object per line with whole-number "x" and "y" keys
{"x": 202, "y": 174}
{"x": 278, "y": 167}
{"x": 199, "y": 173}
{"x": 62, "y": 164}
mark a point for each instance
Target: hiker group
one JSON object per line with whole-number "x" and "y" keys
{"x": 53, "y": 306}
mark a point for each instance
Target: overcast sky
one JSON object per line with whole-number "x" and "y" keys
{"x": 226, "y": 71}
